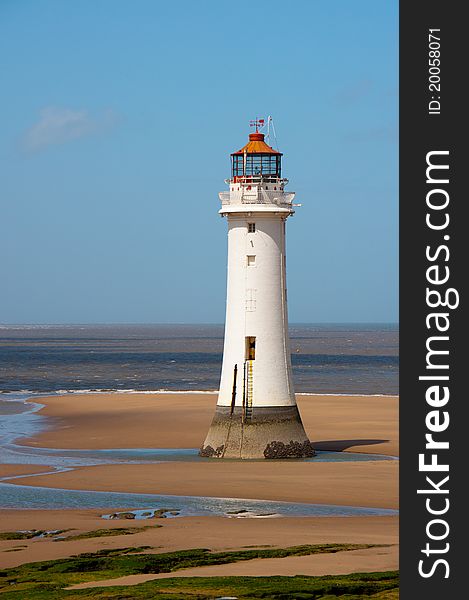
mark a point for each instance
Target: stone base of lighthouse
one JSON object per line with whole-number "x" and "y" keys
{"x": 270, "y": 432}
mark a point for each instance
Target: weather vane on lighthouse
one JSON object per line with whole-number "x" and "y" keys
{"x": 256, "y": 414}
{"x": 257, "y": 123}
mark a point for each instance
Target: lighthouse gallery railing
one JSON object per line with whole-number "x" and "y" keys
{"x": 256, "y": 196}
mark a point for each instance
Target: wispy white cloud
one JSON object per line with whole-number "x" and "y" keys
{"x": 58, "y": 125}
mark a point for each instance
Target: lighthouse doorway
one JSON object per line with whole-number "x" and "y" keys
{"x": 250, "y": 348}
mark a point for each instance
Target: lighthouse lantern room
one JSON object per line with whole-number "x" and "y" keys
{"x": 256, "y": 414}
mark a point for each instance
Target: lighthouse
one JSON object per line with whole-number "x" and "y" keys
{"x": 256, "y": 414}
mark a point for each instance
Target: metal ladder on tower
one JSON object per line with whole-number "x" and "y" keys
{"x": 250, "y": 389}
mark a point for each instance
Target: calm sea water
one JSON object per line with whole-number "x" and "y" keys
{"x": 17, "y": 496}
{"x": 345, "y": 359}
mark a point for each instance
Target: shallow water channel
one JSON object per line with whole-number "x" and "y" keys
{"x": 19, "y": 419}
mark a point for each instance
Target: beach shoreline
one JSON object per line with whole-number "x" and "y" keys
{"x": 366, "y": 424}
{"x": 181, "y": 420}
{"x": 216, "y": 533}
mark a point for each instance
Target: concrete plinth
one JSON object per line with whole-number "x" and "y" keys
{"x": 274, "y": 432}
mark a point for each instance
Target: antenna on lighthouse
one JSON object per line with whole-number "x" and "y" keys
{"x": 270, "y": 124}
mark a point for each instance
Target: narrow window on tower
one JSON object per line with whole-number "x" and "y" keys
{"x": 250, "y": 300}
{"x": 251, "y": 260}
{"x": 251, "y": 227}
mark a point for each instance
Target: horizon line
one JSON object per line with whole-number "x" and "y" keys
{"x": 172, "y": 323}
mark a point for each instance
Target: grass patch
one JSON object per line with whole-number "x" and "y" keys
{"x": 357, "y": 586}
{"x": 112, "y": 552}
{"x": 108, "y": 532}
{"x": 30, "y": 534}
{"x": 37, "y": 581}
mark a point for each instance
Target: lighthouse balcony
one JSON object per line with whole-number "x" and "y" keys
{"x": 253, "y": 194}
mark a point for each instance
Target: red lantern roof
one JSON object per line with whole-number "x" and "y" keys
{"x": 257, "y": 145}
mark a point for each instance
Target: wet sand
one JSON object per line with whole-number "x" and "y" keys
{"x": 216, "y": 533}
{"x": 13, "y": 470}
{"x": 359, "y": 424}
{"x": 363, "y": 561}
{"x": 370, "y": 484}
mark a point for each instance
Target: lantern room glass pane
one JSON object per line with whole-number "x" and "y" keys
{"x": 237, "y": 170}
{"x": 255, "y": 165}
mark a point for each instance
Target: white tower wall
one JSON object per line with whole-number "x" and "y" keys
{"x": 256, "y": 306}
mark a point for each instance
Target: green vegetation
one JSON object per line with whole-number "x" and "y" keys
{"x": 372, "y": 586}
{"x": 112, "y": 552}
{"x": 34, "y": 533}
{"x": 108, "y": 532}
{"x": 47, "y": 580}
{"x": 28, "y": 535}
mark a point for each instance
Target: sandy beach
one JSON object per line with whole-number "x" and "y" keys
{"x": 359, "y": 424}
{"x": 14, "y": 470}
{"x": 372, "y": 484}
{"x": 216, "y": 533}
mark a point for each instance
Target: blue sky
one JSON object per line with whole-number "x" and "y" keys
{"x": 116, "y": 124}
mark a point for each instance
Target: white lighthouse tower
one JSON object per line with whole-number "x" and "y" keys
{"x": 256, "y": 414}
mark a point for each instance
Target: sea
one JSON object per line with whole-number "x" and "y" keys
{"x": 38, "y": 360}
{"x": 327, "y": 359}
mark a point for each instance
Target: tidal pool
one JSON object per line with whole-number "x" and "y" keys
{"x": 32, "y": 497}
